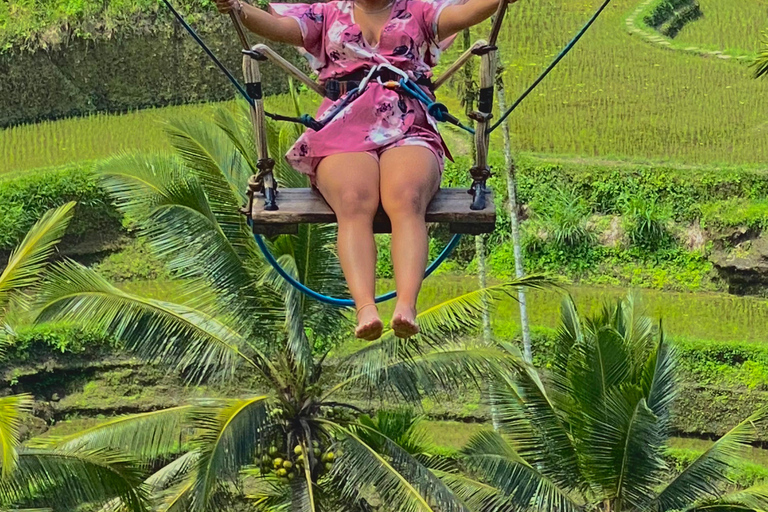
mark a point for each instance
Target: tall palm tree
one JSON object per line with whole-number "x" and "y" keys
{"x": 592, "y": 432}
{"x": 66, "y": 478}
{"x": 236, "y": 318}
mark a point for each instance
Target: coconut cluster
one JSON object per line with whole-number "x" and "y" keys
{"x": 287, "y": 466}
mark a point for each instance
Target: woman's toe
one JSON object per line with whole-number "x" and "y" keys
{"x": 404, "y": 327}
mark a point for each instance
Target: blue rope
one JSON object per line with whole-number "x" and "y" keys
{"x": 345, "y": 303}
{"x": 436, "y": 109}
{"x": 549, "y": 69}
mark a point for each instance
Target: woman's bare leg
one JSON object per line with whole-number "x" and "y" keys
{"x": 410, "y": 177}
{"x": 350, "y": 184}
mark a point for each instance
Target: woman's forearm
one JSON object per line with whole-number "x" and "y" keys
{"x": 269, "y": 26}
{"x": 456, "y": 18}
{"x": 265, "y": 24}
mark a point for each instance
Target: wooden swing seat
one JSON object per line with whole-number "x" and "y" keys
{"x": 306, "y": 206}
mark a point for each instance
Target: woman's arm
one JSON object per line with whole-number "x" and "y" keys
{"x": 267, "y": 25}
{"x": 456, "y": 18}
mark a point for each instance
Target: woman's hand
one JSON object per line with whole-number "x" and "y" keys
{"x": 227, "y": 6}
{"x": 458, "y": 17}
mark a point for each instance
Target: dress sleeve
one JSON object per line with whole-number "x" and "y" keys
{"x": 311, "y": 20}
{"x": 431, "y": 11}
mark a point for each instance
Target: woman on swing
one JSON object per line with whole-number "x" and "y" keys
{"x": 382, "y": 148}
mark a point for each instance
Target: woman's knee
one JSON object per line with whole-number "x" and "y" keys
{"x": 405, "y": 201}
{"x": 356, "y": 201}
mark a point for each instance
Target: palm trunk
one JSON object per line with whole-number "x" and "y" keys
{"x": 514, "y": 220}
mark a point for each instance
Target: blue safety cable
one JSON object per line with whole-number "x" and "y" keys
{"x": 343, "y": 303}
{"x": 436, "y": 109}
{"x": 549, "y": 69}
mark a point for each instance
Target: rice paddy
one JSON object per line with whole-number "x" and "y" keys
{"x": 734, "y": 27}
{"x": 614, "y": 97}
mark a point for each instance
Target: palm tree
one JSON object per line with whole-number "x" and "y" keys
{"x": 236, "y": 318}
{"x": 591, "y": 433}
{"x": 65, "y": 478}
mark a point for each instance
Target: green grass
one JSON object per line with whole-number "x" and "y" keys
{"x": 54, "y": 143}
{"x": 613, "y": 97}
{"x": 733, "y": 27}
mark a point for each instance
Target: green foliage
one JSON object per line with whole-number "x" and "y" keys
{"x": 595, "y": 431}
{"x": 35, "y": 343}
{"x": 27, "y": 197}
{"x": 564, "y": 217}
{"x": 133, "y": 262}
{"x": 647, "y": 222}
{"x": 736, "y": 212}
{"x": 608, "y": 188}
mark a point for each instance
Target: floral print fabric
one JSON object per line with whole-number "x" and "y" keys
{"x": 380, "y": 118}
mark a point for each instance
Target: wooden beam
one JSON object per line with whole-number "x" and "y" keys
{"x": 306, "y": 206}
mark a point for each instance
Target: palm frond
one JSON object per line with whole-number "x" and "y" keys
{"x": 310, "y": 256}
{"x": 67, "y": 479}
{"x": 703, "y": 478}
{"x": 399, "y": 480}
{"x": 197, "y": 344}
{"x": 167, "y": 488}
{"x": 540, "y": 429}
{"x": 230, "y": 432}
{"x": 11, "y": 410}
{"x": 753, "y": 498}
{"x": 660, "y": 380}
{"x": 28, "y": 260}
{"x": 145, "y": 436}
{"x": 414, "y": 376}
{"x": 180, "y": 223}
{"x": 497, "y": 462}
{"x": 464, "y": 313}
{"x": 623, "y": 449}
{"x": 478, "y": 496}
{"x": 403, "y": 426}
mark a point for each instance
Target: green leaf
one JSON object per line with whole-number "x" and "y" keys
{"x": 29, "y": 259}
{"x": 399, "y": 480}
{"x": 194, "y": 342}
{"x": 64, "y": 480}
{"x": 11, "y": 410}
{"x": 498, "y": 463}
{"x": 703, "y": 478}
{"x": 146, "y": 436}
{"x": 230, "y": 432}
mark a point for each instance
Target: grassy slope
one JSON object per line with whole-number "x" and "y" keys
{"x": 716, "y": 30}
{"x": 614, "y": 97}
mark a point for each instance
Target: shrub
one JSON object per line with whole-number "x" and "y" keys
{"x": 36, "y": 343}
{"x": 24, "y": 198}
{"x": 646, "y": 222}
{"x": 565, "y": 217}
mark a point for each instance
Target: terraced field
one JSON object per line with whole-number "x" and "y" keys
{"x": 615, "y": 96}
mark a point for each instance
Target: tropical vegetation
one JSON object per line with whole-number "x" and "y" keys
{"x": 289, "y": 439}
{"x": 61, "y": 478}
{"x": 592, "y": 430}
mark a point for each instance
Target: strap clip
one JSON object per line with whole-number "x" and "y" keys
{"x": 484, "y": 50}
{"x": 255, "y": 55}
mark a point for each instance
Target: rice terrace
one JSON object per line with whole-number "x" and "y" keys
{"x": 210, "y": 293}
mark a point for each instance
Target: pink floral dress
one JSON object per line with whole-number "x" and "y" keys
{"x": 380, "y": 118}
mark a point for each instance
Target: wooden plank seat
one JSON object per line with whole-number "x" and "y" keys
{"x": 306, "y": 206}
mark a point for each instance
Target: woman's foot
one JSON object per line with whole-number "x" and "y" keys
{"x": 404, "y": 322}
{"x": 369, "y": 325}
